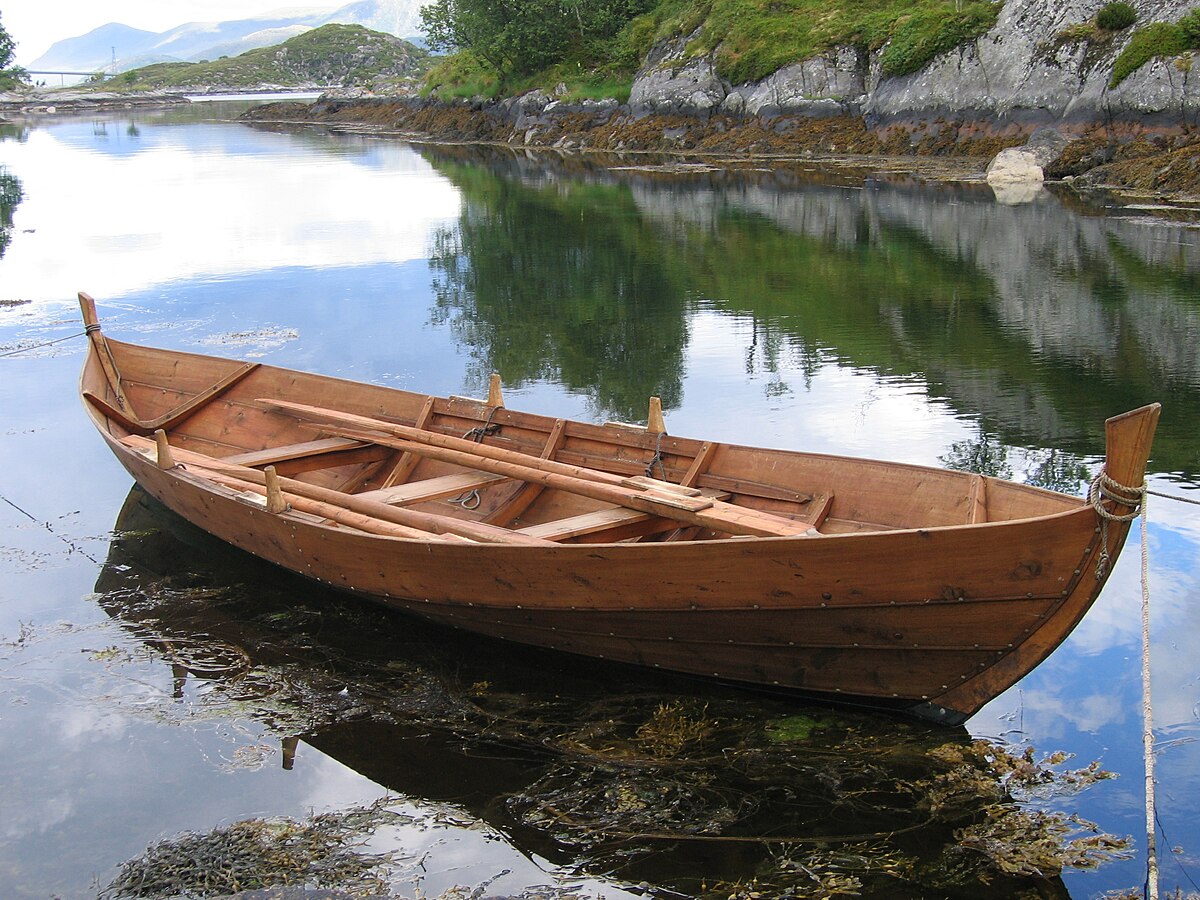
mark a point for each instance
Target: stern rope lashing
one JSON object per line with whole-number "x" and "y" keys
{"x": 1104, "y": 488}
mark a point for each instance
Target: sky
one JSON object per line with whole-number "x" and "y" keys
{"x": 36, "y": 24}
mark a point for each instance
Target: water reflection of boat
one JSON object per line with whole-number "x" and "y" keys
{"x": 900, "y": 586}
{"x": 563, "y": 759}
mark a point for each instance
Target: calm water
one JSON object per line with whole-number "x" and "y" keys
{"x": 154, "y": 683}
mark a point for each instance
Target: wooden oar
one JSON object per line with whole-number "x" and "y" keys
{"x": 329, "y": 511}
{"x": 427, "y": 523}
{"x": 641, "y": 494}
{"x": 435, "y": 439}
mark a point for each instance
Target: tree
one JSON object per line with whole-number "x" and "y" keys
{"x": 511, "y": 36}
{"x": 520, "y": 37}
{"x": 10, "y": 75}
{"x": 7, "y": 47}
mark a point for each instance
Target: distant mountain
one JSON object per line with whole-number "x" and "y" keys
{"x": 399, "y": 17}
{"x": 93, "y": 50}
{"x": 334, "y": 54}
{"x": 194, "y": 41}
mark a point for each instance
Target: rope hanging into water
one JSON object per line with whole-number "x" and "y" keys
{"x": 20, "y": 350}
{"x": 1148, "y": 717}
{"x": 1104, "y": 488}
{"x": 75, "y": 548}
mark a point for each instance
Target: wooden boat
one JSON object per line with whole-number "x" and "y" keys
{"x": 898, "y": 586}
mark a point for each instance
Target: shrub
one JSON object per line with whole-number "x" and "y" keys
{"x": 1190, "y": 26}
{"x": 1115, "y": 16}
{"x": 1157, "y": 39}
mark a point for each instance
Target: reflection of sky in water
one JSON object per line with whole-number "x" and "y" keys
{"x": 310, "y": 253}
{"x": 116, "y": 213}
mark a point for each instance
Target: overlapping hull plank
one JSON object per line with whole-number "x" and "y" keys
{"x": 864, "y": 581}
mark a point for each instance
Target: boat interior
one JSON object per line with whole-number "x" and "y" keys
{"x": 315, "y": 445}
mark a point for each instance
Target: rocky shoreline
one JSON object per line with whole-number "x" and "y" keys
{"x": 1142, "y": 161}
{"x": 67, "y": 101}
{"x": 43, "y": 103}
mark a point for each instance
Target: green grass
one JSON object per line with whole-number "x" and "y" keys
{"x": 753, "y": 38}
{"x": 460, "y": 75}
{"x": 463, "y": 75}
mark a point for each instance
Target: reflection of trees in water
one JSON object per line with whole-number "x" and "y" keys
{"x": 1038, "y": 323}
{"x": 1053, "y": 469}
{"x": 10, "y": 196}
{"x": 558, "y": 282}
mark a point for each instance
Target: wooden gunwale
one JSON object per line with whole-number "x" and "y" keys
{"x": 204, "y": 460}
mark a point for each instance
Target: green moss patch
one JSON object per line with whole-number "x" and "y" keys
{"x": 1158, "y": 39}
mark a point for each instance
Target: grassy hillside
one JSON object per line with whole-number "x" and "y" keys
{"x": 753, "y": 38}
{"x": 347, "y": 55}
{"x": 749, "y": 39}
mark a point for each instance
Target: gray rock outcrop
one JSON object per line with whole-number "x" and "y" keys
{"x": 1036, "y": 65}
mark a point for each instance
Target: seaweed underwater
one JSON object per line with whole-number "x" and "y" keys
{"x": 656, "y": 783}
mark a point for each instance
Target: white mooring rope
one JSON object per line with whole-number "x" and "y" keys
{"x": 1148, "y": 718}
{"x": 1104, "y": 488}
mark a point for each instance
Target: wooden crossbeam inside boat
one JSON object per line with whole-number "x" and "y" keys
{"x": 173, "y": 417}
{"x": 432, "y": 488}
{"x": 272, "y": 455}
{"x": 591, "y": 523}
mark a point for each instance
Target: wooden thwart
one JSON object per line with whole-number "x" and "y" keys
{"x": 645, "y": 495}
{"x": 272, "y": 455}
{"x": 432, "y": 488}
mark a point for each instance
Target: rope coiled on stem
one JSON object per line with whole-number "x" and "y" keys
{"x": 1104, "y": 488}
